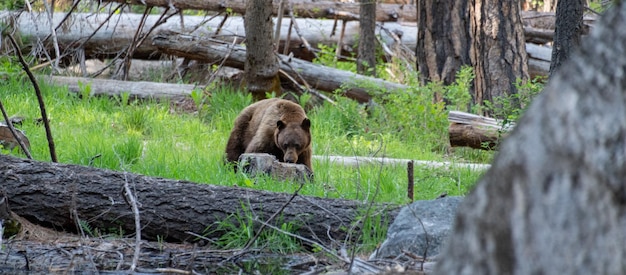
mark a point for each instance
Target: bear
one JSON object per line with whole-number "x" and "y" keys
{"x": 275, "y": 126}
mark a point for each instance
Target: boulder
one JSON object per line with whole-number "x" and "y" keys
{"x": 419, "y": 227}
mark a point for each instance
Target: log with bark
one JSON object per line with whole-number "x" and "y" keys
{"x": 476, "y": 131}
{"x": 317, "y": 76}
{"x": 61, "y": 196}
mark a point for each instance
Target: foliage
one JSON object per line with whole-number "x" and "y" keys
{"x": 239, "y": 228}
{"x": 511, "y": 107}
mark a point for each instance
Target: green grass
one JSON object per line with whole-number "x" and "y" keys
{"x": 148, "y": 138}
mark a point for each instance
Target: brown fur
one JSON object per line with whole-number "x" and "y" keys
{"x": 274, "y": 126}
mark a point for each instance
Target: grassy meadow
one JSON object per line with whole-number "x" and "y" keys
{"x": 151, "y": 138}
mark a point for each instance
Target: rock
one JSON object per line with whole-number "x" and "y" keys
{"x": 255, "y": 164}
{"x": 420, "y": 226}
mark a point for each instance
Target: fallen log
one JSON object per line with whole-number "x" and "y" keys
{"x": 112, "y": 88}
{"x": 317, "y": 76}
{"x": 303, "y": 8}
{"x": 476, "y": 131}
{"x": 61, "y": 196}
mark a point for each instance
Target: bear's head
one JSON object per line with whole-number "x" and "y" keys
{"x": 292, "y": 138}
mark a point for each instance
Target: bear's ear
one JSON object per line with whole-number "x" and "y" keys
{"x": 280, "y": 124}
{"x": 306, "y": 124}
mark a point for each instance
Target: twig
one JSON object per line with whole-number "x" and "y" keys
{"x": 53, "y": 32}
{"x": 304, "y": 41}
{"x": 13, "y": 132}
{"x": 279, "y": 23}
{"x": 42, "y": 107}
{"x": 130, "y": 199}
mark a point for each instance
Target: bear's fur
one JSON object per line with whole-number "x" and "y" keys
{"x": 274, "y": 126}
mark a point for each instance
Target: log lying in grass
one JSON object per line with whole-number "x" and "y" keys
{"x": 135, "y": 89}
{"x": 62, "y": 195}
{"x": 356, "y": 161}
{"x": 476, "y": 131}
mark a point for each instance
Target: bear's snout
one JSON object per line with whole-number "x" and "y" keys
{"x": 290, "y": 157}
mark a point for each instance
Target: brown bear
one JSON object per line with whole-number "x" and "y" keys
{"x": 275, "y": 126}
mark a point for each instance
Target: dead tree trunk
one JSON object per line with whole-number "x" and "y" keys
{"x": 303, "y": 8}
{"x": 475, "y": 131}
{"x": 61, "y": 195}
{"x": 317, "y": 76}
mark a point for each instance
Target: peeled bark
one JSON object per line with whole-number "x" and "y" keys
{"x": 61, "y": 195}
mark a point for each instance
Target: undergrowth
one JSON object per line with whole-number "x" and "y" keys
{"x": 151, "y": 138}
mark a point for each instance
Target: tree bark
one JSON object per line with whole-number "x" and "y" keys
{"x": 475, "y": 131}
{"x": 497, "y": 50}
{"x": 61, "y": 195}
{"x": 261, "y": 66}
{"x": 443, "y": 40}
{"x": 554, "y": 200}
{"x": 317, "y": 76}
{"x": 568, "y": 31}
{"x": 366, "y": 57}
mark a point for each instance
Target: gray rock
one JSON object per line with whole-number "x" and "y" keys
{"x": 420, "y": 226}
{"x": 255, "y": 164}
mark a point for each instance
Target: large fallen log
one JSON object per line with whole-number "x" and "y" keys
{"x": 303, "y": 8}
{"x": 62, "y": 195}
{"x": 317, "y": 76}
{"x": 476, "y": 131}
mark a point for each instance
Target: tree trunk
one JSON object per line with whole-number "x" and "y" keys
{"x": 568, "y": 31}
{"x": 317, "y": 76}
{"x": 261, "y": 66}
{"x": 366, "y": 58}
{"x": 497, "y": 51}
{"x": 554, "y": 200}
{"x": 442, "y": 40}
{"x": 66, "y": 194}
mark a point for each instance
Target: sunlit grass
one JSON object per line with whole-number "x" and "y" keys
{"x": 148, "y": 138}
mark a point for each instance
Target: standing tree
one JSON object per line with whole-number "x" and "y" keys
{"x": 443, "y": 39}
{"x": 261, "y": 66}
{"x": 366, "y": 61}
{"x": 498, "y": 48}
{"x": 484, "y": 34}
{"x": 568, "y": 30}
